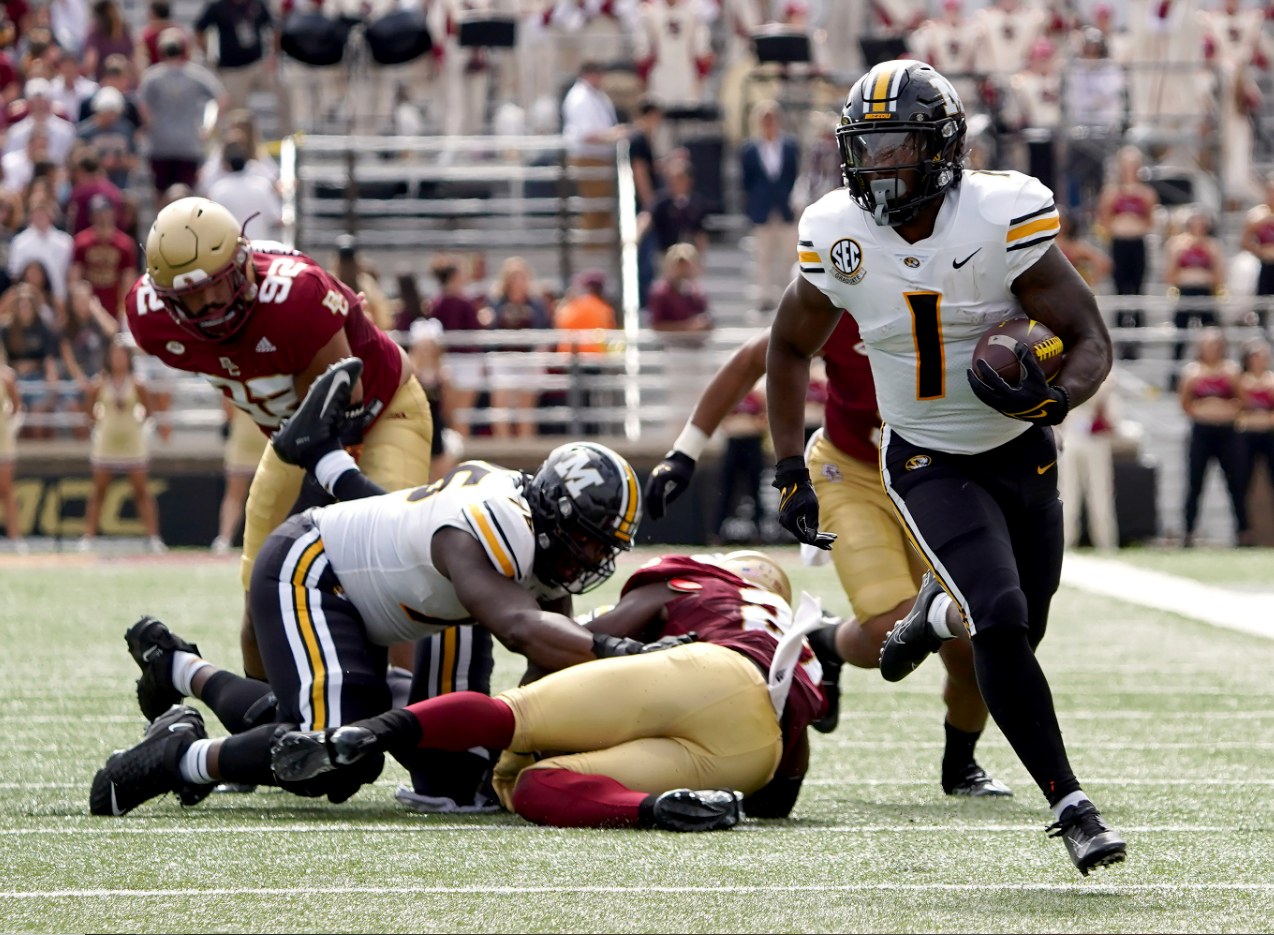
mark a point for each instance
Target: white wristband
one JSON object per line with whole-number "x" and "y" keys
{"x": 331, "y": 466}
{"x": 691, "y": 441}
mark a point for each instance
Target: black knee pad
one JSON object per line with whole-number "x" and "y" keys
{"x": 263, "y": 711}
{"x": 1005, "y": 610}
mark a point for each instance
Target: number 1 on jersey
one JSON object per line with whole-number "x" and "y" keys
{"x": 926, "y": 330}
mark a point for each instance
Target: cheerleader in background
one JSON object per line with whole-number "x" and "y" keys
{"x": 119, "y": 443}
{"x": 245, "y": 443}
{"x": 10, "y": 404}
{"x": 426, "y": 360}
{"x": 1256, "y": 418}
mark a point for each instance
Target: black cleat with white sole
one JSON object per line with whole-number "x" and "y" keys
{"x": 152, "y": 644}
{"x": 912, "y": 640}
{"x": 823, "y": 642}
{"x": 1090, "y": 841}
{"x": 152, "y": 768}
{"x": 314, "y": 428}
{"x": 974, "y": 783}
{"x": 693, "y": 810}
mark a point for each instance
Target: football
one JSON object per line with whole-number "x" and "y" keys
{"x": 997, "y": 345}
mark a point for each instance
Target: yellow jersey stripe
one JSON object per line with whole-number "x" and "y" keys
{"x": 1050, "y": 222}
{"x": 493, "y": 541}
{"x": 809, "y": 256}
{"x": 447, "y": 673}
{"x": 305, "y": 622}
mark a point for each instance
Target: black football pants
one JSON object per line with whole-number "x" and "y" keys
{"x": 990, "y": 527}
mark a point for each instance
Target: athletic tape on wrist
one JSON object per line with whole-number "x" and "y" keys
{"x": 331, "y": 466}
{"x": 691, "y": 441}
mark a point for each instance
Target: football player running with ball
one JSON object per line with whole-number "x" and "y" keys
{"x": 926, "y": 257}
{"x": 877, "y": 566}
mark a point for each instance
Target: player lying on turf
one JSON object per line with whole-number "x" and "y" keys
{"x": 334, "y": 586}
{"x": 875, "y": 563}
{"x": 623, "y": 742}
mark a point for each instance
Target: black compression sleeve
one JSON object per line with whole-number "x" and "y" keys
{"x": 355, "y": 485}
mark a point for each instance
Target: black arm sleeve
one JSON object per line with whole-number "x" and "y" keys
{"x": 355, "y": 485}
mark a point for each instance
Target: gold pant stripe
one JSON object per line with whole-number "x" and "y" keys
{"x": 305, "y": 623}
{"x": 447, "y": 678}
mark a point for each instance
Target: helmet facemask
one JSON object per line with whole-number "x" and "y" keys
{"x": 893, "y": 173}
{"x": 571, "y": 555}
{"x": 215, "y": 321}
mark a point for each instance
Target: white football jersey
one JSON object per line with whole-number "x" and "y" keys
{"x": 381, "y": 548}
{"x": 922, "y": 307}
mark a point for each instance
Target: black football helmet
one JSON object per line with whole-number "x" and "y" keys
{"x": 585, "y": 504}
{"x": 901, "y": 139}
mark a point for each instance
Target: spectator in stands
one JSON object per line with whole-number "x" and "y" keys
{"x": 19, "y": 165}
{"x": 1195, "y": 268}
{"x": 647, "y": 183}
{"x": 1089, "y": 261}
{"x": 770, "y": 161}
{"x": 70, "y": 88}
{"x": 1258, "y": 239}
{"x": 36, "y": 275}
{"x": 83, "y": 341}
{"x": 158, "y": 18}
{"x": 30, "y": 348}
{"x": 111, "y": 136}
{"x": 88, "y": 181}
{"x": 1035, "y": 108}
{"x": 245, "y": 444}
{"x": 10, "y": 406}
{"x": 1007, "y": 30}
{"x": 679, "y": 211}
{"x": 259, "y": 159}
{"x": 673, "y": 49}
{"x": 119, "y": 444}
{"x": 173, "y": 95}
{"x": 513, "y": 369}
{"x": 1209, "y": 393}
{"x": 60, "y": 134}
{"x": 741, "y": 464}
{"x": 44, "y": 243}
{"x": 427, "y": 363}
{"x": 457, "y": 312}
{"x": 1126, "y": 211}
{"x": 11, "y": 220}
{"x": 252, "y": 199}
{"x": 677, "y": 303}
{"x": 587, "y": 312}
{"x": 1086, "y": 470}
{"x": 106, "y": 37}
{"x": 106, "y": 257}
{"x": 591, "y": 129}
{"x": 246, "y": 61}
{"x": 409, "y": 308}
{"x": 362, "y": 275}
{"x": 18, "y": 13}
{"x": 117, "y": 74}
{"x": 1256, "y": 418}
{"x": 68, "y": 20}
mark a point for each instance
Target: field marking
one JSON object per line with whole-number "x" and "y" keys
{"x": 1077, "y": 887}
{"x": 1246, "y": 612}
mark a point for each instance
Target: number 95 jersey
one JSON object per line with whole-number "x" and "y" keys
{"x": 922, "y": 307}
{"x": 299, "y": 308}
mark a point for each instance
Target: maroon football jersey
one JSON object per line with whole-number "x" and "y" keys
{"x": 724, "y": 609}
{"x": 299, "y": 308}
{"x": 851, "y": 417}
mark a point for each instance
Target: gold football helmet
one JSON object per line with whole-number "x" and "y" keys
{"x": 761, "y": 570}
{"x": 194, "y": 244}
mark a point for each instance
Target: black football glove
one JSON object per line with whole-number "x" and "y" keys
{"x": 798, "y": 504}
{"x": 668, "y": 481}
{"x": 1033, "y": 400}
{"x": 606, "y": 647}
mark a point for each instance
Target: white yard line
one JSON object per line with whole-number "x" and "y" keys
{"x": 641, "y": 891}
{"x": 1221, "y": 607}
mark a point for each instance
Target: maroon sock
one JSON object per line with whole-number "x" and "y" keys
{"x": 576, "y": 800}
{"x": 462, "y": 720}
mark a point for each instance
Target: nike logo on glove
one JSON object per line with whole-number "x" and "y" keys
{"x": 957, "y": 265}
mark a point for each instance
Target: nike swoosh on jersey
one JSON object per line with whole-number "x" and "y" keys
{"x": 957, "y": 265}
{"x": 1045, "y": 468}
{"x": 342, "y": 379}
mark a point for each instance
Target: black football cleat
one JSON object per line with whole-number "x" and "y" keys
{"x": 151, "y": 644}
{"x": 976, "y": 784}
{"x": 312, "y": 430}
{"x": 299, "y": 755}
{"x": 1090, "y": 841}
{"x": 823, "y": 642}
{"x": 702, "y": 810}
{"x": 912, "y": 640}
{"x": 152, "y": 768}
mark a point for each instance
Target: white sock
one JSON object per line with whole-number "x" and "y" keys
{"x": 331, "y": 466}
{"x": 938, "y": 616}
{"x": 185, "y": 665}
{"x": 194, "y": 764}
{"x": 1073, "y": 799}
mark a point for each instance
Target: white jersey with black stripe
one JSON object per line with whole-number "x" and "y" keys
{"x": 922, "y": 307}
{"x": 381, "y": 548}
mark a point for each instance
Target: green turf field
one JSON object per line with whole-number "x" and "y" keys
{"x": 1246, "y": 567}
{"x": 1170, "y": 722}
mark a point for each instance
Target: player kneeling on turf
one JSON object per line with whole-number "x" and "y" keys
{"x": 333, "y": 587}
{"x": 626, "y": 740}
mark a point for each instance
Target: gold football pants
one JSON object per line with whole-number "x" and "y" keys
{"x": 395, "y": 455}
{"x": 698, "y": 716}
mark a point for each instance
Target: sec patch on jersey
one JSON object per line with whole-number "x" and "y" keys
{"x": 998, "y": 347}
